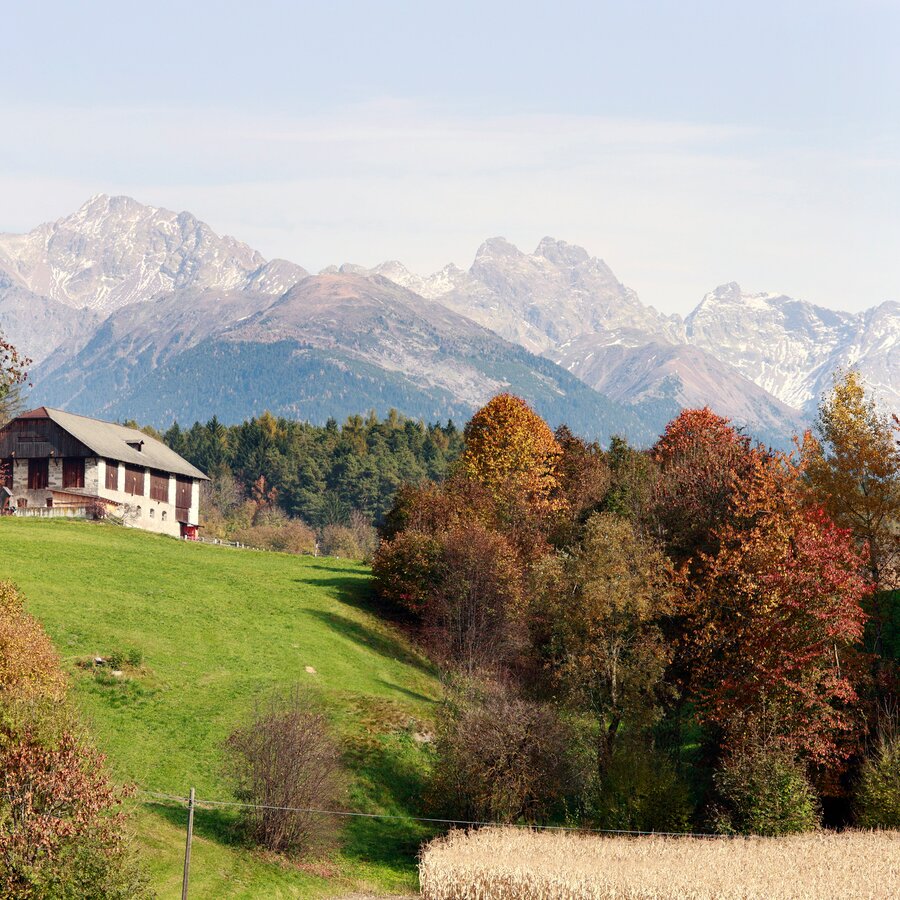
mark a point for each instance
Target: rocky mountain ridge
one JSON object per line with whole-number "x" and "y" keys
{"x": 119, "y": 296}
{"x": 569, "y": 306}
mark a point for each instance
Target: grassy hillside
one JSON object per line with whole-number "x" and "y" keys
{"x": 218, "y": 628}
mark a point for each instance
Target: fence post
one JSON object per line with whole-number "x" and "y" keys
{"x": 187, "y": 847}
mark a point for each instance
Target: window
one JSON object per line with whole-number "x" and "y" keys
{"x": 134, "y": 481}
{"x": 73, "y": 473}
{"x": 152, "y": 512}
{"x": 138, "y": 512}
{"x": 38, "y": 474}
{"x": 165, "y": 515}
{"x": 159, "y": 487}
{"x": 50, "y": 502}
{"x": 112, "y": 475}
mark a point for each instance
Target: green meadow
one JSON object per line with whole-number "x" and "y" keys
{"x": 215, "y": 630}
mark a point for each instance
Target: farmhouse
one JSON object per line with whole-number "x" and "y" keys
{"x": 54, "y": 463}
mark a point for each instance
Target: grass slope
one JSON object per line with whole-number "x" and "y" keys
{"x": 219, "y": 628}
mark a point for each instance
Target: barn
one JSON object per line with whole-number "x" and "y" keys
{"x": 54, "y": 463}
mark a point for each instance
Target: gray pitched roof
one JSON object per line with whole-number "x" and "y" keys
{"x": 111, "y": 441}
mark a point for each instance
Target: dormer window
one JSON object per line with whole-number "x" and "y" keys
{"x": 135, "y": 445}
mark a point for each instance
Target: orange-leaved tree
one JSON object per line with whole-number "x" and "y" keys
{"x": 511, "y": 449}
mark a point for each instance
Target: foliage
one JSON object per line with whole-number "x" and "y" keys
{"x": 775, "y": 616}
{"x": 512, "y": 451}
{"x": 318, "y": 473}
{"x": 878, "y": 790}
{"x": 290, "y": 536}
{"x": 701, "y": 459}
{"x": 285, "y": 763}
{"x": 853, "y": 470}
{"x": 13, "y": 374}
{"x": 471, "y": 619}
{"x": 499, "y": 757}
{"x": 598, "y": 619}
{"x": 764, "y": 790}
{"x": 59, "y": 834}
{"x": 29, "y": 664}
{"x": 639, "y": 790}
{"x": 407, "y": 570}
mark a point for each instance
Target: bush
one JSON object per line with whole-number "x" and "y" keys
{"x": 501, "y": 758}
{"x": 407, "y": 570}
{"x": 59, "y": 834}
{"x": 764, "y": 790}
{"x": 346, "y": 542}
{"x": 289, "y": 536}
{"x": 58, "y": 839}
{"x": 878, "y": 793}
{"x": 640, "y": 790}
{"x": 285, "y": 757}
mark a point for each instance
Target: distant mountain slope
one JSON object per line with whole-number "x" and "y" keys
{"x": 114, "y": 251}
{"x": 118, "y": 301}
{"x": 561, "y": 302}
{"x": 330, "y": 346}
{"x": 790, "y": 347}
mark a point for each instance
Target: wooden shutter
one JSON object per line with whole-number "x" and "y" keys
{"x": 159, "y": 487}
{"x": 183, "y": 498}
{"x": 73, "y": 473}
{"x": 112, "y": 475}
{"x": 134, "y": 481}
{"x": 38, "y": 474}
{"x": 6, "y": 473}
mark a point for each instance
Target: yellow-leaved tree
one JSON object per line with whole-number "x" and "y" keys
{"x": 511, "y": 450}
{"x": 852, "y": 465}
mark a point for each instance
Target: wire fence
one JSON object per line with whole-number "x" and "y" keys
{"x": 199, "y": 803}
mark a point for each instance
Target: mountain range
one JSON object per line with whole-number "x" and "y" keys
{"x": 130, "y": 311}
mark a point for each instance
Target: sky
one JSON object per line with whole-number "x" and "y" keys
{"x": 686, "y": 143}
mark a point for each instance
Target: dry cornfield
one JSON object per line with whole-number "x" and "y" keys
{"x": 506, "y": 863}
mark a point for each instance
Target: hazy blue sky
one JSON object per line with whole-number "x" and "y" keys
{"x": 687, "y": 143}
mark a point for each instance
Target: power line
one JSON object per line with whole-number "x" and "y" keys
{"x": 198, "y": 802}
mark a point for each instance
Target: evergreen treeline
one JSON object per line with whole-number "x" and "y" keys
{"x": 320, "y": 474}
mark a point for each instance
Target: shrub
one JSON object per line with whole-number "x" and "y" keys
{"x": 284, "y": 759}
{"x": 59, "y": 834}
{"x": 878, "y": 793}
{"x": 764, "y": 790}
{"x": 339, "y": 540}
{"x": 288, "y": 536}
{"x": 639, "y": 790}
{"x": 134, "y": 657}
{"x": 407, "y": 570}
{"x": 57, "y": 838}
{"x": 501, "y": 758}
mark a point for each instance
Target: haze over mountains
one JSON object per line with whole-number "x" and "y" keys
{"x": 133, "y": 311}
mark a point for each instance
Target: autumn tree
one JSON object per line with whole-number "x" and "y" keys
{"x": 774, "y": 617}
{"x": 584, "y": 481}
{"x": 852, "y": 465}
{"x": 701, "y": 457}
{"x": 511, "y": 449}
{"x": 598, "y": 617}
{"x": 471, "y": 616}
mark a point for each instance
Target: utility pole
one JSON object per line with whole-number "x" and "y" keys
{"x": 187, "y": 847}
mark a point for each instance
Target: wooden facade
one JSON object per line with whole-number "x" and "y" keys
{"x": 56, "y": 463}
